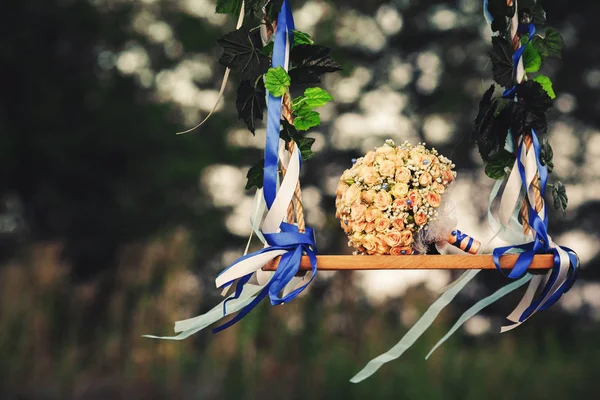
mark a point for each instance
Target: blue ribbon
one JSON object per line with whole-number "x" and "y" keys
{"x": 540, "y": 244}
{"x": 516, "y": 57}
{"x": 296, "y": 244}
{"x": 283, "y": 33}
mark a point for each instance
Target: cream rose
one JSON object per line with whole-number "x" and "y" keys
{"x": 370, "y": 227}
{"x": 406, "y": 237}
{"x": 398, "y": 223}
{"x": 448, "y": 176}
{"x": 425, "y": 179}
{"x": 400, "y": 251}
{"x": 393, "y": 238}
{"x": 357, "y": 212}
{"x": 369, "y": 158}
{"x": 382, "y": 247}
{"x": 341, "y": 189}
{"x": 400, "y": 204}
{"x": 351, "y": 195}
{"x": 398, "y": 161}
{"x": 369, "y": 175}
{"x": 369, "y": 243}
{"x": 382, "y": 223}
{"x": 435, "y": 171}
{"x": 420, "y": 218}
{"x": 372, "y": 214}
{"x": 400, "y": 190}
{"x": 403, "y": 174}
{"x": 382, "y": 200}
{"x": 415, "y": 198}
{"x": 438, "y": 187}
{"x": 368, "y": 196}
{"x": 358, "y": 226}
{"x": 433, "y": 199}
{"x": 385, "y": 150}
{"x": 387, "y": 168}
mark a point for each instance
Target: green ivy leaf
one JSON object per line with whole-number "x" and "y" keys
{"x": 305, "y": 144}
{"x": 229, "y": 7}
{"x": 316, "y": 97}
{"x": 498, "y": 163}
{"x": 502, "y": 64}
{"x": 277, "y": 81}
{"x": 301, "y": 38}
{"x": 550, "y": 45}
{"x": 547, "y": 155}
{"x": 559, "y": 195}
{"x": 250, "y": 102}
{"x": 267, "y": 50}
{"x": 309, "y": 62}
{"x": 255, "y": 175}
{"x": 241, "y": 53}
{"x": 306, "y": 119}
{"x": 546, "y": 85}
{"x": 532, "y": 61}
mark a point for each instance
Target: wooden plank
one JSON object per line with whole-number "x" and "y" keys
{"x": 454, "y": 261}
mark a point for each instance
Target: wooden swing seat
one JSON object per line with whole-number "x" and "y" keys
{"x": 429, "y": 262}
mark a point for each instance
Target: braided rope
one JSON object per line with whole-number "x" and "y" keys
{"x": 295, "y": 209}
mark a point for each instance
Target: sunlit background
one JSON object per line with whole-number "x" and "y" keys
{"x": 112, "y": 226}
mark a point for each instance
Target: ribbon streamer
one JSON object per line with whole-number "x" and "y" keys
{"x": 417, "y": 329}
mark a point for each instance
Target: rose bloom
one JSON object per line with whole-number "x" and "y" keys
{"x": 369, "y": 158}
{"x": 387, "y": 168}
{"x": 438, "y": 187}
{"x": 368, "y": 196}
{"x": 448, "y": 176}
{"x": 382, "y": 247}
{"x": 398, "y": 223}
{"x": 393, "y": 238}
{"x": 415, "y": 198}
{"x": 420, "y": 218}
{"x": 341, "y": 189}
{"x": 357, "y": 212}
{"x": 399, "y": 251}
{"x": 433, "y": 199}
{"x": 357, "y": 237}
{"x": 372, "y": 214}
{"x": 368, "y": 242}
{"x": 347, "y": 175}
{"x": 351, "y": 195}
{"x": 382, "y": 223}
{"x": 398, "y": 161}
{"x": 406, "y": 238}
{"x": 382, "y": 200}
{"x": 358, "y": 226}
{"x": 369, "y": 175}
{"x": 385, "y": 150}
{"x": 425, "y": 179}
{"x": 400, "y": 190}
{"x": 416, "y": 156}
{"x": 403, "y": 174}
{"x": 370, "y": 227}
{"x": 435, "y": 171}
{"x": 400, "y": 204}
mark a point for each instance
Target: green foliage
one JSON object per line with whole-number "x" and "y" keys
{"x": 241, "y": 53}
{"x": 301, "y": 38}
{"x": 305, "y": 146}
{"x": 546, "y": 84}
{"x": 547, "y": 155}
{"x": 255, "y": 175}
{"x": 532, "y": 61}
{"x": 250, "y": 102}
{"x": 302, "y": 107}
{"x": 277, "y": 81}
{"x": 229, "y": 7}
{"x": 502, "y": 64}
{"x": 310, "y": 62}
{"x": 498, "y": 164}
{"x": 550, "y": 45}
{"x": 559, "y": 196}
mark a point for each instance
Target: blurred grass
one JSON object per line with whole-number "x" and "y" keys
{"x": 56, "y": 343}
